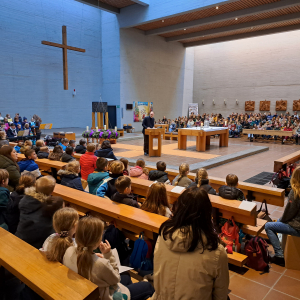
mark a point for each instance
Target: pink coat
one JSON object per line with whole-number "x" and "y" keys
{"x": 137, "y": 171}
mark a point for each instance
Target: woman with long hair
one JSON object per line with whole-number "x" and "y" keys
{"x": 8, "y": 161}
{"x": 38, "y": 122}
{"x": 189, "y": 261}
{"x": 289, "y": 223}
{"x": 157, "y": 200}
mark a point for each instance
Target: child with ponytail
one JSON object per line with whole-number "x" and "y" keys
{"x": 101, "y": 269}
{"x": 203, "y": 182}
{"x": 64, "y": 223}
{"x": 182, "y": 179}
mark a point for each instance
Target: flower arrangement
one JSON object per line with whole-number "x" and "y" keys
{"x": 86, "y": 134}
{"x": 100, "y": 134}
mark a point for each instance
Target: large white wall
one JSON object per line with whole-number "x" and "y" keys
{"x": 154, "y": 71}
{"x": 260, "y": 68}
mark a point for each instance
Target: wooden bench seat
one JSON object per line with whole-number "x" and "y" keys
{"x": 50, "y": 280}
{"x": 252, "y": 191}
{"x": 288, "y": 159}
{"x": 129, "y": 219}
{"x": 173, "y": 136}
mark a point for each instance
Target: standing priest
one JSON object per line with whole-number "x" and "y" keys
{"x": 148, "y": 122}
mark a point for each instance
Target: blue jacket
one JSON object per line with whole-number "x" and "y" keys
{"x": 63, "y": 146}
{"x": 17, "y": 148}
{"x": 106, "y": 153}
{"x": 95, "y": 180}
{"x": 70, "y": 179}
{"x": 107, "y": 188}
{"x": 4, "y": 199}
{"x": 28, "y": 165}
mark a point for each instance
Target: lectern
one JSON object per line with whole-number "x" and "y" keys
{"x": 154, "y": 133}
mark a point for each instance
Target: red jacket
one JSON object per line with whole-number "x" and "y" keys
{"x": 87, "y": 164}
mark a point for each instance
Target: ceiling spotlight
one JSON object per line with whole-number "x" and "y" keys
{"x": 236, "y": 18}
{"x": 217, "y": 7}
{"x": 162, "y": 20}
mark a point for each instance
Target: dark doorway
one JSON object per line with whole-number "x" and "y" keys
{"x": 112, "y": 116}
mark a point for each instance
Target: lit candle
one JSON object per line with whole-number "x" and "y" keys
{"x": 225, "y": 123}
{"x": 87, "y": 128}
{"x": 116, "y": 128}
{"x": 104, "y": 127}
{"x": 97, "y": 128}
{"x": 201, "y": 124}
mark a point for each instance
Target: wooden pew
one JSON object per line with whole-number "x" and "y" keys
{"x": 288, "y": 159}
{"x": 252, "y": 191}
{"x": 268, "y": 132}
{"x": 129, "y": 219}
{"x": 50, "y": 280}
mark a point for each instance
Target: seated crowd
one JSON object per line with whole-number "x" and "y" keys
{"x": 187, "y": 243}
{"x": 237, "y": 122}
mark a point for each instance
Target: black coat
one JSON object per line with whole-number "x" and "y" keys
{"x": 204, "y": 185}
{"x": 70, "y": 180}
{"x": 36, "y": 212}
{"x": 148, "y": 122}
{"x": 80, "y": 149}
{"x": 106, "y": 153}
{"x": 10, "y": 133}
{"x": 231, "y": 193}
{"x": 13, "y": 212}
{"x": 42, "y": 154}
{"x": 160, "y": 176}
{"x": 67, "y": 158}
{"x": 125, "y": 199}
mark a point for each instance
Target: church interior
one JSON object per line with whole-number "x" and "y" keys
{"x": 149, "y": 149}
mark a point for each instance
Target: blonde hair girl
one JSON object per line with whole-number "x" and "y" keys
{"x": 201, "y": 174}
{"x": 295, "y": 182}
{"x": 157, "y": 200}
{"x": 201, "y": 181}
{"x": 101, "y": 269}
{"x": 182, "y": 179}
{"x": 64, "y": 223}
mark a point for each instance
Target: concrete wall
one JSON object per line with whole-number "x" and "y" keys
{"x": 154, "y": 71}
{"x": 256, "y": 69}
{"x": 31, "y": 74}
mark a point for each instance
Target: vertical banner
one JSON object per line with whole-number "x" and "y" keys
{"x": 141, "y": 110}
{"x": 193, "y": 108}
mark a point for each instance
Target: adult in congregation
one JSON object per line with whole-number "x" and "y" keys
{"x": 148, "y": 122}
{"x": 289, "y": 223}
{"x": 38, "y": 122}
{"x": 189, "y": 261}
{"x": 106, "y": 151}
{"x": 3, "y": 140}
{"x": 8, "y": 161}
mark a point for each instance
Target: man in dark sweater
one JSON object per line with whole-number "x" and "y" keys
{"x": 148, "y": 122}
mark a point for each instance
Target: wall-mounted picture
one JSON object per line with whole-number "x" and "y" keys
{"x": 141, "y": 110}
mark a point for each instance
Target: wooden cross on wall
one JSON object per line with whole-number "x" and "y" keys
{"x": 65, "y": 47}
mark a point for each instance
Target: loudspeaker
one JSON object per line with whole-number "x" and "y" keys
{"x": 129, "y": 106}
{"x": 99, "y": 107}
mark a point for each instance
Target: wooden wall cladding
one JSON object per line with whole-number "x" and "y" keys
{"x": 296, "y": 105}
{"x": 265, "y": 105}
{"x": 281, "y": 105}
{"x": 249, "y": 105}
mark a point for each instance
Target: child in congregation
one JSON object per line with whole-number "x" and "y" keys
{"x": 38, "y": 145}
{"x": 13, "y": 213}
{"x": 28, "y": 164}
{"x": 4, "y": 197}
{"x": 106, "y": 151}
{"x": 81, "y": 148}
{"x": 19, "y": 146}
{"x": 101, "y": 173}
{"x": 72, "y": 144}
{"x": 160, "y": 174}
{"x": 139, "y": 170}
{"x": 36, "y": 211}
{"x": 125, "y": 163}
{"x": 65, "y": 221}
{"x": 181, "y": 179}
{"x": 201, "y": 181}
{"x": 27, "y": 145}
{"x": 189, "y": 244}
{"x": 88, "y": 161}
{"x": 70, "y": 176}
{"x": 123, "y": 194}
{"x": 68, "y": 155}
{"x": 230, "y": 190}
{"x": 101, "y": 269}
{"x": 107, "y": 188}
{"x": 56, "y": 154}
{"x": 157, "y": 200}
{"x": 43, "y": 152}
{"x": 64, "y": 143}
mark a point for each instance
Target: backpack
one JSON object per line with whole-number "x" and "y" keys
{"x": 116, "y": 239}
{"x": 230, "y": 234}
{"x": 258, "y": 254}
{"x": 141, "y": 254}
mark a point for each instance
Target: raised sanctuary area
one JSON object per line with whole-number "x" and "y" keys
{"x": 149, "y": 149}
